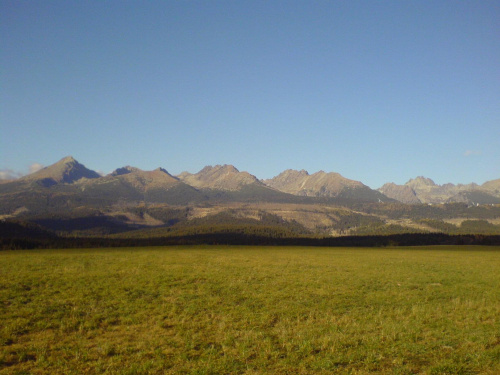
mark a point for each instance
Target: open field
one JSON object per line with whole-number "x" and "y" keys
{"x": 250, "y": 310}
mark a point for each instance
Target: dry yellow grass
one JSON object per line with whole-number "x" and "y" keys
{"x": 250, "y": 310}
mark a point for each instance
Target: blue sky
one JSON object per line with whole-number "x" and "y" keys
{"x": 378, "y": 91}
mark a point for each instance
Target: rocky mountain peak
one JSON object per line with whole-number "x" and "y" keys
{"x": 287, "y": 177}
{"x": 67, "y": 160}
{"x": 319, "y": 184}
{"x": 420, "y": 181}
{"x": 163, "y": 170}
{"x": 223, "y": 177}
{"x": 225, "y": 168}
{"x": 124, "y": 170}
{"x": 66, "y": 171}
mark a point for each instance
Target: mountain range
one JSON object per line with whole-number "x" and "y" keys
{"x": 134, "y": 182}
{"x": 424, "y": 190}
{"x": 69, "y": 197}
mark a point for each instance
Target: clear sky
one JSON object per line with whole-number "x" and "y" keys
{"x": 378, "y": 91}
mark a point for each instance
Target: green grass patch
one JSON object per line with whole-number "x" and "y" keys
{"x": 250, "y": 310}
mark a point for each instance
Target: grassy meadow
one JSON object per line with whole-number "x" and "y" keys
{"x": 250, "y": 310}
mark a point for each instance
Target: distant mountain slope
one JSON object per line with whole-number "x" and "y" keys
{"x": 319, "y": 184}
{"x": 421, "y": 183}
{"x": 66, "y": 197}
{"x": 427, "y": 191}
{"x": 67, "y": 184}
{"x": 65, "y": 171}
{"x": 401, "y": 193}
{"x": 322, "y": 184}
{"x": 474, "y": 197}
{"x": 45, "y": 189}
{"x": 492, "y": 187}
{"x": 129, "y": 184}
{"x": 143, "y": 180}
{"x": 219, "y": 177}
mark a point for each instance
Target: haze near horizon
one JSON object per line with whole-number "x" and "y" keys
{"x": 377, "y": 92}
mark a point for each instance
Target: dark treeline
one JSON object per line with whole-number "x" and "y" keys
{"x": 269, "y": 231}
{"x": 466, "y": 227}
{"x": 412, "y": 239}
